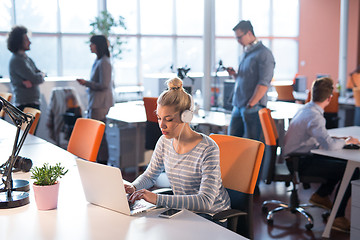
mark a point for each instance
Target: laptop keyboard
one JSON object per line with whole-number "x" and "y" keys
{"x": 136, "y": 205}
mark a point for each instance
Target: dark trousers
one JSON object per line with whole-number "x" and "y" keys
{"x": 331, "y": 169}
{"x": 100, "y": 114}
{"x": 33, "y": 105}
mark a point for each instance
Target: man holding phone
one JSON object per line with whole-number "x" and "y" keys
{"x": 253, "y": 78}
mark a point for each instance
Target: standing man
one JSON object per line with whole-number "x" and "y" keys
{"x": 253, "y": 79}
{"x": 24, "y": 75}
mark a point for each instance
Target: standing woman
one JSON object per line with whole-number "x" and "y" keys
{"x": 100, "y": 88}
{"x": 190, "y": 159}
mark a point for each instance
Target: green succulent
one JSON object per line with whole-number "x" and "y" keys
{"x": 47, "y": 175}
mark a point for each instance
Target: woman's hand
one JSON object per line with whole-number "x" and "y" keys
{"x": 81, "y": 81}
{"x": 130, "y": 189}
{"x": 143, "y": 194}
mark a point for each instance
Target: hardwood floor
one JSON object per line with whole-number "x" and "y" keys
{"x": 286, "y": 226}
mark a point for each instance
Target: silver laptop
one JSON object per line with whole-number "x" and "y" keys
{"x": 103, "y": 186}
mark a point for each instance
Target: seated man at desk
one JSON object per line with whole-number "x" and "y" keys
{"x": 190, "y": 160}
{"x": 306, "y": 132}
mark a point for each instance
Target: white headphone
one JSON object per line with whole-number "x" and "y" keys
{"x": 187, "y": 115}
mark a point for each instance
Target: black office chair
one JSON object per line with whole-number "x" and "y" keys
{"x": 152, "y": 131}
{"x": 279, "y": 172}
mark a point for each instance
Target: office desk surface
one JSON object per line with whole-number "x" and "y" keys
{"x": 353, "y": 161}
{"x": 134, "y": 112}
{"x": 8, "y": 132}
{"x": 347, "y": 154}
{"x": 75, "y": 218}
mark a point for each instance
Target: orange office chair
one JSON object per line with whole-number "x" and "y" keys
{"x": 240, "y": 161}
{"x": 85, "y": 138}
{"x": 7, "y": 97}
{"x": 330, "y": 111}
{"x": 36, "y": 113}
{"x": 285, "y": 93}
{"x": 356, "y": 92}
{"x": 353, "y": 81}
{"x": 279, "y": 172}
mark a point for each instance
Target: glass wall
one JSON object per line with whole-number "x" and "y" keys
{"x": 276, "y": 24}
{"x": 160, "y": 34}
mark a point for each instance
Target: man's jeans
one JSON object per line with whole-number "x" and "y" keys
{"x": 245, "y": 122}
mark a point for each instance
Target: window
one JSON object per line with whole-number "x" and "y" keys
{"x": 70, "y": 14}
{"x": 37, "y": 16}
{"x": 77, "y": 58}
{"x": 156, "y": 55}
{"x": 159, "y": 34}
{"x": 275, "y": 23}
{"x": 5, "y": 15}
{"x": 5, "y": 57}
{"x": 156, "y": 17}
{"x": 43, "y": 52}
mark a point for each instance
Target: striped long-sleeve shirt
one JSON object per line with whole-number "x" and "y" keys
{"x": 195, "y": 177}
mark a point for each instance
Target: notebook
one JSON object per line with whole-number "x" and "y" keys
{"x": 103, "y": 186}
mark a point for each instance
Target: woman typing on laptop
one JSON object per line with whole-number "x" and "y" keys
{"x": 190, "y": 160}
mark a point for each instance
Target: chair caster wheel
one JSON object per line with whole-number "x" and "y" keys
{"x": 309, "y": 226}
{"x": 325, "y": 215}
{"x": 270, "y": 222}
{"x": 264, "y": 209}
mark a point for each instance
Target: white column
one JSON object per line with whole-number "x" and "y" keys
{"x": 209, "y": 50}
{"x": 343, "y": 45}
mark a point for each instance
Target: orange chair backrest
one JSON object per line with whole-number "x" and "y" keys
{"x": 356, "y": 92}
{"x": 333, "y": 106}
{"x": 285, "y": 92}
{"x": 150, "y": 104}
{"x": 308, "y": 99}
{"x": 7, "y": 97}
{"x": 240, "y": 160}
{"x": 268, "y": 126}
{"x": 353, "y": 81}
{"x": 85, "y": 138}
{"x": 36, "y": 114}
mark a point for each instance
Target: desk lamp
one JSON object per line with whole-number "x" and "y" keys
{"x": 14, "y": 194}
{"x": 182, "y": 74}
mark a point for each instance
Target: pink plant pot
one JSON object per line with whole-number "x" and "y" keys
{"x": 46, "y": 197}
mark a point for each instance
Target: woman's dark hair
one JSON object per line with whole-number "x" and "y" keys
{"x": 101, "y": 44}
{"x": 15, "y": 40}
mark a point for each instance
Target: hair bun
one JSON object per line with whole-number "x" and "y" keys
{"x": 174, "y": 84}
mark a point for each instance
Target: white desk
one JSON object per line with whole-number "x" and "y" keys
{"x": 353, "y": 157}
{"x": 8, "y": 132}
{"x": 132, "y": 114}
{"x": 75, "y": 218}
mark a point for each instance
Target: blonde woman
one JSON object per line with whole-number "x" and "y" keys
{"x": 190, "y": 160}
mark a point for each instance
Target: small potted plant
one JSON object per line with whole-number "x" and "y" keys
{"x": 46, "y": 185}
